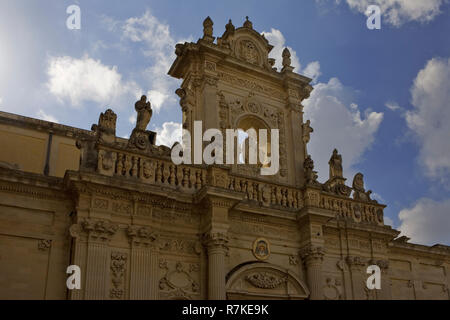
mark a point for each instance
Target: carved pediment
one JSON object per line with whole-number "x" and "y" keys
{"x": 264, "y": 279}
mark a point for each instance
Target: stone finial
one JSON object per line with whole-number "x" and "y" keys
{"x": 107, "y": 121}
{"x": 286, "y": 55}
{"x": 229, "y": 27}
{"x": 248, "y": 23}
{"x": 106, "y": 127}
{"x": 208, "y": 30}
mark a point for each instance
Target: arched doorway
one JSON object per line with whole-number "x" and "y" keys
{"x": 261, "y": 280}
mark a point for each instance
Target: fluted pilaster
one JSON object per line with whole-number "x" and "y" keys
{"x": 144, "y": 263}
{"x": 312, "y": 257}
{"x": 216, "y": 244}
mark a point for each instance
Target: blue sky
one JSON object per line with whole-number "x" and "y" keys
{"x": 381, "y": 96}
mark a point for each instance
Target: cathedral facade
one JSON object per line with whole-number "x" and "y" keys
{"x": 141, "y": 227}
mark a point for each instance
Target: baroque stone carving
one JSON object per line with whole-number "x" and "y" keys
{"x": 208, "y": 30}
{"x": 286, "y": 62}
{"x": 141, "y": 138}
{"x": 142, "y": 235}
{"x": 312, "y": 253}
{"x": 336, "y": 181}
{"x": 265, "y": 280}
{"x": 306, "y": 135}
{"x": 44, "y": 244}
{"x": 101, "y": 230}
{"x": 310, "y": 174}
{"x": 118, "y": 263}
{"x": 359, "y": 193}
{"x": 178, "y": 282}
{"x": 333, "y": 289}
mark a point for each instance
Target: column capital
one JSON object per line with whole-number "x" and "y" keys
{"x": 312, "y": 254}
{"x": 215, "y": 241}
{"x": 142, "y": 236}
{"x": 355, "y": 262}
{"x": 94, "y": 230}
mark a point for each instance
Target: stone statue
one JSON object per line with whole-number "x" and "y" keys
{"x": 141, "y": 138}
{"x": 335, "y": 165}
{"x": 144, "y": 113}
{"x": 306, "y": 134}
{"x": 359, "y": 193}
{"x": 310, "y": 174}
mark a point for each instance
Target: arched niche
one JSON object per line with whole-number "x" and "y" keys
{"x": 262, "y": 280}
{"x": 251, "y": 121}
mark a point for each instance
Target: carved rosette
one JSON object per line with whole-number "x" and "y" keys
{"x": 142, "y": 236}
{"x": 44, "y": 244}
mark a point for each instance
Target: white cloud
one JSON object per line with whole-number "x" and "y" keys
{"x": 168, "y": 134}
{"x": 276, "y": 38}
{"x": 132, "y": 119}
{"x": 338, "y": 123}
{"x": 1, "y": 100}
{"x": 427, "y": 222}
{"x": 398, "y": 12}
{"x": 41, "y": 114}
{"x": 312, "y": 71}
{"x": 86, "y": 79}
{"x": 159, "y": 48}
{"x": 393, "y": 106}
{"x": 430, "y": 118}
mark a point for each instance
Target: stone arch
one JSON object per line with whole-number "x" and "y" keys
{"x": 262, "y": 280}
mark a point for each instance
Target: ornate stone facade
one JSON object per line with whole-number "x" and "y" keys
{"x": 141, "y": 227}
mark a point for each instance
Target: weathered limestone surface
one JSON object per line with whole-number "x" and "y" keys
{"x": 141, "y": 227}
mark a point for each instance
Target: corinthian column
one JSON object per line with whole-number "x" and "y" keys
{"x": 313, "y": 257}
{"x": 216, "y": 244}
